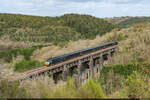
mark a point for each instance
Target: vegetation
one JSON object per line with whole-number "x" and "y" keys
{"x": 12, "y": 90}
{"x": 133, "y": 20}
{"x": 126, "y": 77}
{"x": 89, "y": 90}
{"x": 117, "y": 83}
{"x": 57, "y": 30}
{"x": 26, "y": 65}
{"x": 113, "y": 77}
{"x": 8, "y": 55}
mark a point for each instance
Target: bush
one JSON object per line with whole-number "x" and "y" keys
{"x": 89, "y": 90}
{"x": 136, "y": 86}
{"x": 26, "y": 65}
{"x": 26, "y": 52}
{"x": 113, "y": 76}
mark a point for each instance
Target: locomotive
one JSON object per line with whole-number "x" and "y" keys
{"x": 62, "y": 58}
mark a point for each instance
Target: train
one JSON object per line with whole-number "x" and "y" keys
{"x": 65, "y": 57}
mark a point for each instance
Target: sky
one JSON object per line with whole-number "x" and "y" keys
{"x": 97, "y": 8}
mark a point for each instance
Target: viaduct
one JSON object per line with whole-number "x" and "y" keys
{"x": 84, "y": 66}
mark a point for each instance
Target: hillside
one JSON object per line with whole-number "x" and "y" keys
{"x": 55, "y": 30}
{"x": 134, "y": 20}
{"x": 127, "y": 21}
{"x": 126, "y": 77}
{"x": 117, "y": 20}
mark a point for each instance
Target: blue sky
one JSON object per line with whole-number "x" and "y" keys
{"x": 98, "y": 8}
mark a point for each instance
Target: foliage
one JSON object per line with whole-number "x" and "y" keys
{"x": 57, "y": 30}
{"x": 26, "y": 65}
{"x": 89, "y": 90}
{"x": 118, "y": 37}
{"x": 125, "y": 70}
{"x": 113, "y": 76}
{"x": 8, "y": 55}
{"x": 136, "y": 86}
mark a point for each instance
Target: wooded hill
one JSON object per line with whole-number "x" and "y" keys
{"x": 56, "y": 30}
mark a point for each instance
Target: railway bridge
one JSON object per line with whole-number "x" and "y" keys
{"x": 82, "y": 67}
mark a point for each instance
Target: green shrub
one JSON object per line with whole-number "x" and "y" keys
{"x": 125, "y": 70}
{"x": 26, "y": 52}
{"x": 136, "y": 86}
{"x": 26, "y": 65}
{"x": 90, "y": 89}
{"x": 113, "y": 76}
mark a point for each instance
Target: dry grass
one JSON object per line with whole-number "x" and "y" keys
{"x": 36, "y": 88}
{"x": 6, "y": 43}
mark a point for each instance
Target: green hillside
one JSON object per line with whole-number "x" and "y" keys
{"x": 56, "y": 30}
{"x": 133, "y": 20}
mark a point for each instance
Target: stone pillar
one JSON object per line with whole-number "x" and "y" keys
{"x": 80, "y": 72}
{"x": 64, "y": 73}
{"x": 91, "y": 65}
{"x": 71, "y": 72}
{"x": 55, "y": 78}
{"x": 101, "y": 62}
{"x": 109, "y": 58}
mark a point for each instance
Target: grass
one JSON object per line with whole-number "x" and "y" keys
{"x": 26, "y": 65}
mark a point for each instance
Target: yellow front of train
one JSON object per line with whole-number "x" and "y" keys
{"x": 47, "y": 64}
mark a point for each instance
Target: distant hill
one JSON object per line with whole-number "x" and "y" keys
{"x": 116, "y": 20}
{"x": 127, "y": 21}
{"x": 133, "y": 20}
{"x": 56, "y": 30}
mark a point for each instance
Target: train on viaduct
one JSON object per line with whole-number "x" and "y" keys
{"x": 87, "y": 63}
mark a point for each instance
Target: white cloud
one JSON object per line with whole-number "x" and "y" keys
{"x": 99, "y": 8}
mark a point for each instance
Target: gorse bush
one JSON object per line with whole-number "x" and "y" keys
{"x": 26, "y": 65}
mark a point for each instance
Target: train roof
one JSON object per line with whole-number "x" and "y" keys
{"x": 116, "y": 42}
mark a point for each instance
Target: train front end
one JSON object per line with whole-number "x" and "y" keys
{"x": 47, "y": 63}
